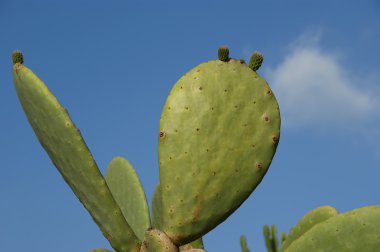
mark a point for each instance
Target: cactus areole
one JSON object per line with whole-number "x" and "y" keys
{"x": 217, "y": 136}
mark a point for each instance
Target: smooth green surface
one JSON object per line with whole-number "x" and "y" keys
{"x": 68, "y": 151}
{"x": 218, "y": 133}
{"x": 309, "y": 220}
{"x": 128, "y": 192}
{"x": 354, "y": 231}
{"x": 157, "y": 208}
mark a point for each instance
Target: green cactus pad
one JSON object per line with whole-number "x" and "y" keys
{"x": 69, "y": 153}
{"x": 270, "y": 237}
{"x": 218, "y": 133}
{"x": 308, "y": 221}
{"x": 243, "y": 244}
{"x": 128, "y": 192}
{"x": 157, "y": 241}
{"x": 353, "y": 231}
{"x": 223, "y": 53}
{"x": 256, "y": 61}
{"x": 157, "y": 208}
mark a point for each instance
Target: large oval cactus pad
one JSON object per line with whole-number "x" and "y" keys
{"x": 70, "y": 154}
{"x": 356, "y": 230}
{"x": 219, "y": 130}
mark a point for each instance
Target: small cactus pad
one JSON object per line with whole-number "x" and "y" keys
{"x": 218, "y": 133}
{"x": 223, "y": 53}
{"x": 356, "y": 230}
{"x": 243, "y": 244}
{"x": 128, "y": 192}
{"x": 157, "y": 241}
{"x": 271, "y": 240}
{"x": 69, "y": 153}
{"x": 308, "y": 221}
{"x": 256, "y": 61}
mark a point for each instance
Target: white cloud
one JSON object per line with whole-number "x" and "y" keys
{"x": 314, "y": 88}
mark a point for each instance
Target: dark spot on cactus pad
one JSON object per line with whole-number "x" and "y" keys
{"x": 266, "y": 118}
{"x": 200, "y": 88}
{"x": 169, "y": 108}
{"x": 259, "y": 166}
{"x": 198, "y": 70}
{"x": 269, "y": 92}
{"x": 275, "y": 139}
{"x": 242, "y": 61}
{"x": 161, "y": 134}
{"x": 198, "y": 129}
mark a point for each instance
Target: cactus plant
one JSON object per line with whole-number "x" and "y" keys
{"x": 324, "y": 229}
{"x": 218, "y": 133}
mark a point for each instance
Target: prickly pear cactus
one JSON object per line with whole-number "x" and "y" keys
{"x": 324, "y": 229}
{"x": 356, "y": 230}
{"x": 219, "y": 131}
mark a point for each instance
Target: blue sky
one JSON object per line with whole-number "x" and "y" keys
{"x": 112, "y": 65}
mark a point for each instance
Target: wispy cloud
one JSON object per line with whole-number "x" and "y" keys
{"x": 314, "y": 88}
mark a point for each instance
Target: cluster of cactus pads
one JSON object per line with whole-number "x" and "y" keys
{"x": 324, "y": 229}
{"x": 217, "y": 136}
{"x": 218, "y": 133}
